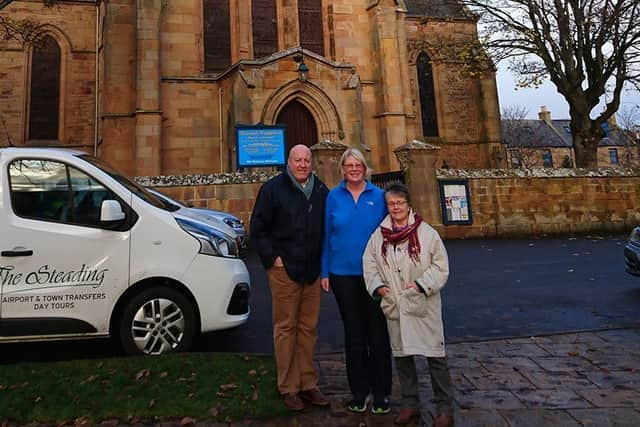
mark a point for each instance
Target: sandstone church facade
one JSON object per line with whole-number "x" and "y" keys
{"x": 157, "y": 87}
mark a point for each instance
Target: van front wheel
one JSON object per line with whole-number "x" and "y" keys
{"x": 157, "y": 321}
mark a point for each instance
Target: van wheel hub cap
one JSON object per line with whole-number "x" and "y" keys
{"x": 157, "y": 326}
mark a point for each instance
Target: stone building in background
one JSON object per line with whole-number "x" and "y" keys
{"x": 157, "y": 87}
{"x": 548, "y": 143}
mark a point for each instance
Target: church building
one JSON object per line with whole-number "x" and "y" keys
{"x": 157, "y": 87}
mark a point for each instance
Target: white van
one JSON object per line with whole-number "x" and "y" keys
{"x": 86, "y": 252}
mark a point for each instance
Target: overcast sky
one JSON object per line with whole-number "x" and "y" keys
{"x": 532, "y": 99}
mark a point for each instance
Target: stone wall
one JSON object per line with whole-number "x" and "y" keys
{"x": 231, "y": 192}
{"x": 547, "y": 201}
{"x": 504, "y": 203}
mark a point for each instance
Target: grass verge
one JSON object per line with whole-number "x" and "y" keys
{"x": 221, "y": 387}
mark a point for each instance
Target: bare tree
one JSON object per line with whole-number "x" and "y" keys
{"x": 628, "y": 118}
{"x": 525, "y": 157}
{"x": 590, "y": 50}
{"x": 514, "y": 135}
{"x": 23, "y": 31}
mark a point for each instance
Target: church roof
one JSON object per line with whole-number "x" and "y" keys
{"x": 437, "y": 9}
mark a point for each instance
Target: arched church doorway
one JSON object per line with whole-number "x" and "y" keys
{"x": 300, "y": 125}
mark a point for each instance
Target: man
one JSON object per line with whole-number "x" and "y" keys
{"x": 287, "y": 227}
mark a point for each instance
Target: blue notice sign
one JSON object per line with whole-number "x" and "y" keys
{"x": 260, "y": 145}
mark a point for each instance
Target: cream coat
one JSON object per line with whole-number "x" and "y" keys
{"x": 414, "y": 319}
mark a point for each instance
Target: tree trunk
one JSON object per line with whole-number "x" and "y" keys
{"x": 585, "y": 142}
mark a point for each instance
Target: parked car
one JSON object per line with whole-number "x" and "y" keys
{"x": 632, "y": 253}
{"x": 86, "y": 252}
{"x": 204, "y": 214}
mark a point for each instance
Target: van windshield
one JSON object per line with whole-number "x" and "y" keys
{"x": 132, "y": 186}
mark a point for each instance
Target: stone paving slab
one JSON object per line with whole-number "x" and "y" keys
{"x": 554, "y": 399}
{"x": 606, "y": 417}
{"x": 538, "y": 418}
{"x": 488, "y": 399}
{"x": 617, "y": 362}
{"x": 591, "y": 338}
{"x": 522, "y": 350}
{"x": 572, "y": 349}
{"x": 460, "y": 381}
{"x": 615, "y": 379}
{"x": 553, "y": 380}
{"x": 630, "y": 337}
{"x": 478, "y": 418}
{"x": 611, "y": 398}
{"x": 505, "y": 380}
{"x": 565, "y": 364}
{"x": 494, "y": 364}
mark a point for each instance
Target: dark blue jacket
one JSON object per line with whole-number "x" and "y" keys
{"x": 285, "y": 224}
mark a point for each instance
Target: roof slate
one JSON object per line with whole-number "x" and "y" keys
{"x": 539, "y": 134}
{"x": 436, "y": 9}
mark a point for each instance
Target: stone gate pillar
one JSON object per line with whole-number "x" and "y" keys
{"x": 418, "y": 161}
{"x": 326, "y": 161}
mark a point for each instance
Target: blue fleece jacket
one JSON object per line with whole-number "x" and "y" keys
{"x": 348, "y": 226}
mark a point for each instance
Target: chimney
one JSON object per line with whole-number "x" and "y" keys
{"x": 545, "y": 114}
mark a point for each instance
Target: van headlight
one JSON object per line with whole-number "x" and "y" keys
{"x": 212, "y": 241}
{"x": 635, "y": 235}
{"x": 233, "y": 222}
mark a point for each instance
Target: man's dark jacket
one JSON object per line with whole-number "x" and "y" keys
{"x": 285, "y": 224}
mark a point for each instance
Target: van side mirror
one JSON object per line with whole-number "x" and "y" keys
{"x": 111, "y": 211}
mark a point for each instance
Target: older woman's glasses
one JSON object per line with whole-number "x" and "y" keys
{"x": 396, "y": 204}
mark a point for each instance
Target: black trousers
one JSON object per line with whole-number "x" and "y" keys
{"x": 366, "y": 338}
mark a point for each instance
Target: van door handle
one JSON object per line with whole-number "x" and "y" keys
{"x": 24, "y": 252}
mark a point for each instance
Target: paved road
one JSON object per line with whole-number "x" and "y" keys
{"x": 497, "y": 288}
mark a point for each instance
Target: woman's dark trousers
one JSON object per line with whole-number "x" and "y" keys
{"x": 366, "y": 339}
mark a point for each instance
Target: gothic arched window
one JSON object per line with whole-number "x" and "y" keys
{"x": 427, "y": 96}
{"x": 265, "y": 28}
{"x": 44, "y": 98}
{"x": 217, "y": 35}
{"x": 310, "y": 17}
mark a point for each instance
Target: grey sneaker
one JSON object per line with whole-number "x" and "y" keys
{"x": 380, "y": 406}
{"x": 359, "y": 403}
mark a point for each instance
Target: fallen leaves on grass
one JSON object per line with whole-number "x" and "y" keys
{"x": 142, "y": 374}
{"x": 227, "y": 387}
{"x": 89, "y": 379}
{"x": 216, "y": 410}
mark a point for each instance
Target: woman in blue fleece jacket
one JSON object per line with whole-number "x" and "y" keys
{"x": 354, "y": 209}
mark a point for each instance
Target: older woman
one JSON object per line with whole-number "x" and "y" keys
{"x": 353, "y": 211}
{"x": 406, "y": 266}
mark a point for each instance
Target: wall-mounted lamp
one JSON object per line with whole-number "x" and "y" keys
{"x": 303, "y": 70}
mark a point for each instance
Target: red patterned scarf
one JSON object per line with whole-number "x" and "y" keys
{"x": 409, "y": 233}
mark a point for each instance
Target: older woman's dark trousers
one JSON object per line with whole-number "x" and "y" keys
{"x": 366, "y": 338}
